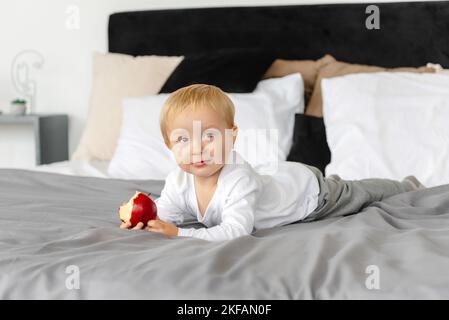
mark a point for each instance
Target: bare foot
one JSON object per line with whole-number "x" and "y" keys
{"x": 413, "y": 182}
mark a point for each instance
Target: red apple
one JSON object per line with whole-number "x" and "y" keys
{"x": 140, "y": 208}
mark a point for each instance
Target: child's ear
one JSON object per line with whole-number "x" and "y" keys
{"x": 235, "y": 130}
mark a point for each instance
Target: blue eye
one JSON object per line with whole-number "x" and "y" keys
{"x": 209, "y": 136}
{"x": 182, "y": 139}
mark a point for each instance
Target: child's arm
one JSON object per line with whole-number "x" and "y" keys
{"x": 168, "y": 210}
{"x": 224, "y": 231}
{"x": 156, "y": 225}
{"x": 160, "y": 226}
{"x": 170, "y": 205}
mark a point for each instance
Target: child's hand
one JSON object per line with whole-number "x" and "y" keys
{"x": 163, "y": 227}
{"x": 138, "y": 226}
{"x": 128, "y": 226}
{"x": 157, "y": 225}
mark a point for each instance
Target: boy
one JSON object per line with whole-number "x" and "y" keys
{"x": 214, "y": 184}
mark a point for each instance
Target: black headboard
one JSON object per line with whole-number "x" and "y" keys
{"x": 410, "y": 34}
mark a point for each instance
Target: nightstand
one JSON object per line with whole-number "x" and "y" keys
{"x": 33, "y": 139}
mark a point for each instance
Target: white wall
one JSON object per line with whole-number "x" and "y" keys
{"x": 64, "y": 81}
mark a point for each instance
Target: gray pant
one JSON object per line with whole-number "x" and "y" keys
{"x": 340, "y": 197}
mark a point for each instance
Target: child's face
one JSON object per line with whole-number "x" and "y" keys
{"x": 200, "y": 141}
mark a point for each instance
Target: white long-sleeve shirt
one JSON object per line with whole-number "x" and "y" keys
{"x": 244, "y": 200}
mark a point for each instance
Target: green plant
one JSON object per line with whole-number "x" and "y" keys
{"x": 19, "y": 101}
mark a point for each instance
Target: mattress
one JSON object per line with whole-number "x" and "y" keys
{"x": 52, "y": 225}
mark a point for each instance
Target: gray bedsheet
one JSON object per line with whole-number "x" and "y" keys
{"x": 49, "y": 222}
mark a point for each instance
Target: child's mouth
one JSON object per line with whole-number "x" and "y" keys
{"x": 199, "y": 163}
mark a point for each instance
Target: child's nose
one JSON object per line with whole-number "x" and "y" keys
{"x": 196, "y": 146}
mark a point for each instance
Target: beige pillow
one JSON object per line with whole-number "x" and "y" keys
{"x": 338, "y": 68}
{"x": 116, "y": 76}
{"x": 307, "y": 68}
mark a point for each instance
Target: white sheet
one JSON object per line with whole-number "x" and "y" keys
{"x": 76, "y": 167}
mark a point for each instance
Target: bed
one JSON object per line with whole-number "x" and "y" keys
{"x": 61, "y": 220}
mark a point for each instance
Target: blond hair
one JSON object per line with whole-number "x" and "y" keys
{"x": 193, "y": 97}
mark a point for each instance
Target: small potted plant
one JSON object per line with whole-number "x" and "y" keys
{"x": 18, "y": 107}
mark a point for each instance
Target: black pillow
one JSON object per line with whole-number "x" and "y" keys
{"x": 232, "y": 70}
{"x": 309, "y": 142}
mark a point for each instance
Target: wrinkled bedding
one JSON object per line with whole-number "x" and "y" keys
{"x": 51, "y": 222}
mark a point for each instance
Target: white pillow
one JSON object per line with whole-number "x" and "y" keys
{"x": 388, "y": 125}
{"x": 142, "y": 154}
